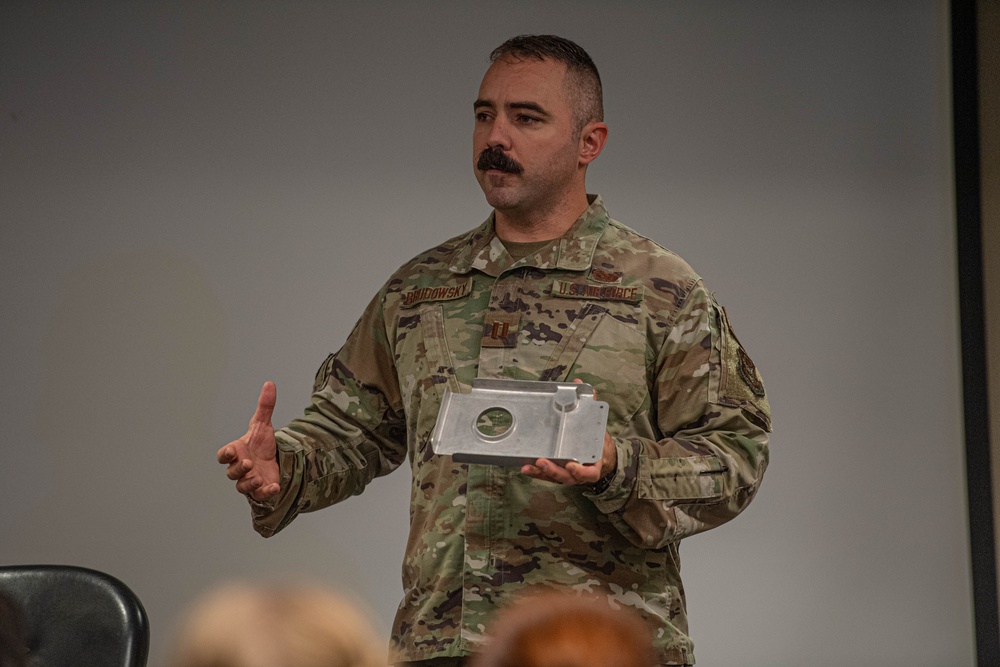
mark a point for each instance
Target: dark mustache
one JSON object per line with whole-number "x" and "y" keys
{"x": 494, "y": 158}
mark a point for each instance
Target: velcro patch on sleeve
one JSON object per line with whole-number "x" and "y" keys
{"x": 742, "y": 382}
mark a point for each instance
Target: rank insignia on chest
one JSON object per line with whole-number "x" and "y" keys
{"x": 501, "y": 330}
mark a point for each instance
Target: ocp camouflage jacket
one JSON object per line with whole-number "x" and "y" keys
{"x": 687, "y": 412}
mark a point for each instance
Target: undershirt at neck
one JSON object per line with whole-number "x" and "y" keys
{"x": 519, "y": 250}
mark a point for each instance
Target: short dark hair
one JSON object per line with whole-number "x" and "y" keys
{"x": 584, "y": 80}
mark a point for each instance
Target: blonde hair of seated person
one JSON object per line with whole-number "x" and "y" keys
{"x": 556, "y": 629}
{"x": 242, "y": 625}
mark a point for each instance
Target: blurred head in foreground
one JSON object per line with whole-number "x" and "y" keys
{"x": 563, "y": 630}
{"x": 275, "y": 626}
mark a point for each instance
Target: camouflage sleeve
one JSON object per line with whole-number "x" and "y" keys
{"x": 352, "y": 432}
{"x": 711, "y": 408}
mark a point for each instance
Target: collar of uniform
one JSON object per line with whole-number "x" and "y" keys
{"x": 484, "y": 251}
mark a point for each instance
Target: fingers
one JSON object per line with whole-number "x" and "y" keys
{"x": 226, "y": 455}
{"x": 548, "y": 471}
{"x": 230, "y": 456}
{"x": 239, "y": 470}
{"x": 583, "y": 474}
{"x": 579, "y": 381}
{"x": 250, "y": 460}
{"x": 265, "y": 404}
{"x": 231, "y": 453}
{"x": 248, "y": 483}
{"x": 554, "y": 472}
{"x": 573, "y": 473}
{"x": 266, "y": 492}
{"x": 256, "y": 487}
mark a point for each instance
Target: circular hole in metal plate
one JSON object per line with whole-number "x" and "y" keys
{"x": 494, "y": 422}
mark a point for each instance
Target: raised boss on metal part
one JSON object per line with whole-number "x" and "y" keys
{"x": 513, "y": 422}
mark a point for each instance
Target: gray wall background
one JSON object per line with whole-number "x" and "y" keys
{"x": 197, "y": 197}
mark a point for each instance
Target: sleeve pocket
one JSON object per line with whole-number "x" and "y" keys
{"x": 684, "y": 478}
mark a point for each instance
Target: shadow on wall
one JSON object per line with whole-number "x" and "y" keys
{"x": 133, "y": 360}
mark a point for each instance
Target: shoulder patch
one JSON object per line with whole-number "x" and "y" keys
{"x": 324, "y": 372}
{"x": 742, "y": 384}
{"x": 748, "y": 372}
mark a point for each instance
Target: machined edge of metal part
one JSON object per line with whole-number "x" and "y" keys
{"x": 513, "y": 422}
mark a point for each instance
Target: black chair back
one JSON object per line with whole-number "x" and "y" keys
{"x": 77, "y": 616}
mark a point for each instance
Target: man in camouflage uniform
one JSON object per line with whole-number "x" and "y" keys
{"x": 548, "y": 288}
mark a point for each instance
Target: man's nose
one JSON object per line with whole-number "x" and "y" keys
{"x": 499, "y": 134}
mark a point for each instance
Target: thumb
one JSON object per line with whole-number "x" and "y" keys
{"x": 579, "y": 381}
{"x": 265, "y": 403}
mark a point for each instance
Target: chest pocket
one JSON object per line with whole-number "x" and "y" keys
{"x": 440, "y": 363}
{"x": 608, "y": 354}
{"x": 424, "y": 364}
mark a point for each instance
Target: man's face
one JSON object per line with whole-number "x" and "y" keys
{"x": 525, "y": 143}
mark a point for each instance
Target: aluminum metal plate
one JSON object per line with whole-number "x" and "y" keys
{"x": 513, "y": 422}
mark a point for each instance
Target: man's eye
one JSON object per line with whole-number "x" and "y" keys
{"x": 527, "y": 120}
{"x": 482, "y": 117}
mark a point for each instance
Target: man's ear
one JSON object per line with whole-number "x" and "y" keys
{"x": 592, "y": 140}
